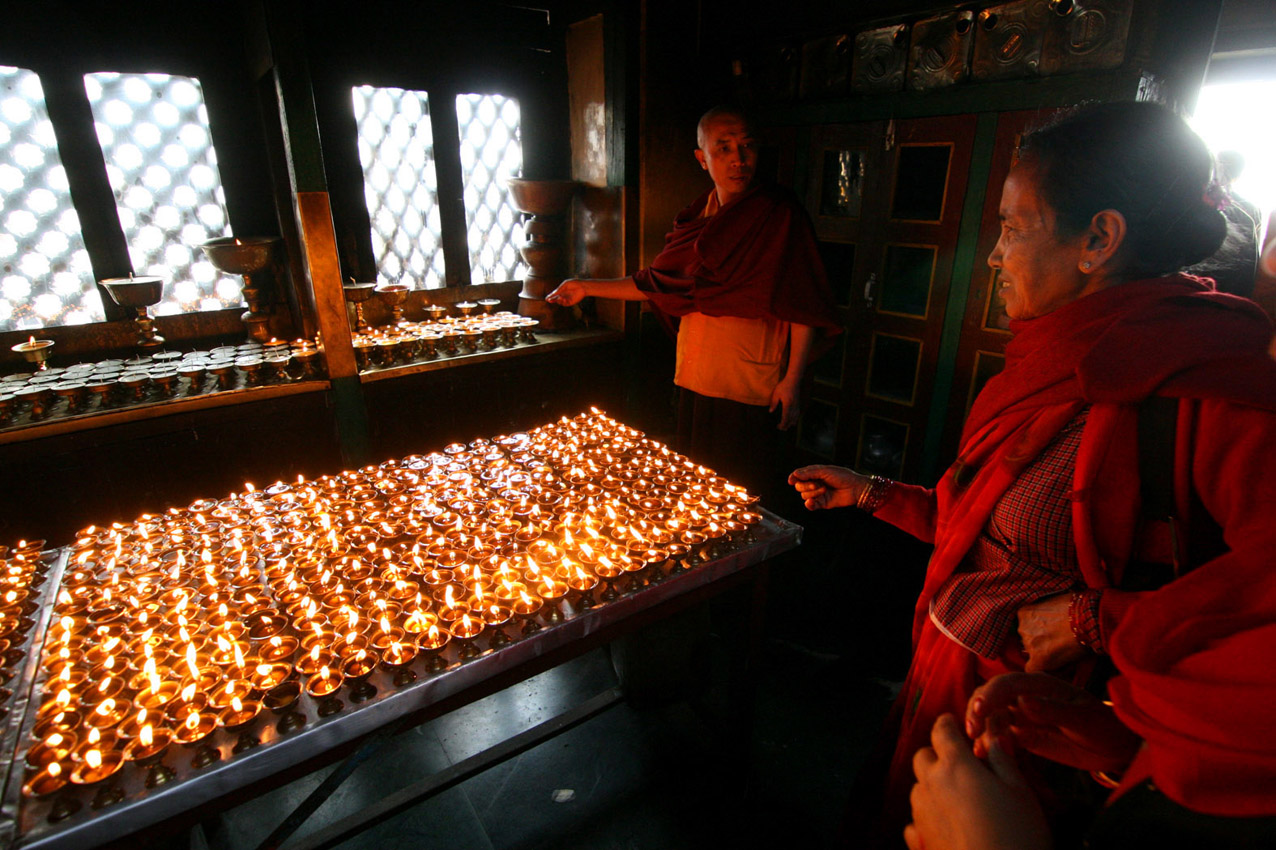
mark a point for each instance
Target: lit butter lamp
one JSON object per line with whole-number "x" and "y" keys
{"x": 138, "y": 293}
{"x": 35, "y": 351}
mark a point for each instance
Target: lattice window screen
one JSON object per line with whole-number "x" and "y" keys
{"x": 154, "y": 133}
{"x": 45, "y": 275}
{"x": 400, "y": 186}
{"x": 491, "y": 151}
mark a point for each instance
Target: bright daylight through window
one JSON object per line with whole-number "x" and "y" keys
{"x": 159, "y": 154}
{"x": 491, "y": 152}
{"x": 1239, "y": 117}
{"x": 400, "y": 187}
{"x": 45, "y": 275}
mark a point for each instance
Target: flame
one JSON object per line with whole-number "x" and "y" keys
{"x": 146, "y": 736}
{"x": 236, "y": 704}
{"x": 191, "y": 659}
{"x": 325, "y": 673}
{"x": 95, "y": 735}
{"x": 94, "y": 759}
{"x": 54, "y": 769}
{"x": 385, "y": 624}
{"x": 188, "y": 692}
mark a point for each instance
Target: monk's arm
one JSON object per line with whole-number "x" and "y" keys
{"x": 785, "y": 394}
{"x": 801, "y": 343}
{"x": 570, "y": 292}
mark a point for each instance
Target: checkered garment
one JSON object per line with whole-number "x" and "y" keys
{"x": 1025, "y": 553}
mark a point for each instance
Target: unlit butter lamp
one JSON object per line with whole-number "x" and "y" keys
{"x": 138, "y": 293}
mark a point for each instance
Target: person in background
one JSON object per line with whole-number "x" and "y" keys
{"x": 1234, "y": 266}
{"x": 742, "y": 278}
{"x": 1127, "y": 441}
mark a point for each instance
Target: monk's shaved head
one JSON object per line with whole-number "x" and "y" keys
{"x": 731, "y": 113}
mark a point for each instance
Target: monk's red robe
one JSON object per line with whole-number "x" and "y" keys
{"x": 753, "y": 258}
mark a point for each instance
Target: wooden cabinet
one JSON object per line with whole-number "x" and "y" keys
{"x": 887, "y": 200}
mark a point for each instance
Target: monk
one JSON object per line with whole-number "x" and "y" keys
{"x": 741, "y": 278}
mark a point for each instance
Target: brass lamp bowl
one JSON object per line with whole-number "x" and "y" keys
{"x": 542, "y": 197}
{"x": 356, "y": 294}
{"x": 138, "y": 293}
{"x": 134, "y": 292}
{"x": 239, "y": 256}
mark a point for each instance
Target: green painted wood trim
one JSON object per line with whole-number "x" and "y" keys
{"x": 351, "y": 413}
{"x": 963, "y": 267}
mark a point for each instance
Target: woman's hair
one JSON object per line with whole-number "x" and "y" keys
{"x": 1141, "y": 160}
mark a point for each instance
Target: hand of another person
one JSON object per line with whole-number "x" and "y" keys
{"x": 960, "y": 803}
{"x": 785, "y": 395}
{"x": 824, "y": 486}
{"x": 569, "y": 293}
{"x": 1045, "y": 627}
{"x": 1049, "y": 717}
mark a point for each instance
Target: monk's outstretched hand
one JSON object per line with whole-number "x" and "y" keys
{"x": 823, "y": 486}
{"x": 568, "y": 294}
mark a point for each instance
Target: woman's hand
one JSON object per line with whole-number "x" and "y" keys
{"x": 824, "y": 486}
{"x": 569, "y": 293}
{"x": 1049, "y": 717}
{"x": 1045, "y": 627}
{"x": 961, "y": 804}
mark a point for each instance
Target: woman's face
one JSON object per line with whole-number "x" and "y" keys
{"x": 1038, "y": 269}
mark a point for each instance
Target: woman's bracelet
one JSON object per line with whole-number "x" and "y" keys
{"x": 1074, "y": 620}
{"x": 1083, "y": 617}
{"x": 874, "y": 495}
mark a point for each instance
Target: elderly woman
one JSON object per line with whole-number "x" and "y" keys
{"x": 1130, "y": 394}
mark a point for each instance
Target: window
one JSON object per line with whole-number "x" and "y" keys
{"x": 1229, "y": 116}
{"x": 159, "y": 154}
{"x": 400, "y": 186}
{"x": 400, "y": 183}
{"x": 45, "y": 275}
{"x": 491, "y": 152}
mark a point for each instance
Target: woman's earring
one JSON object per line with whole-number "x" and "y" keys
{"x": 1086, "y": 265}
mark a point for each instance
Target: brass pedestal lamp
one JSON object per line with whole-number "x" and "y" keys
{"x": 245, "y": 257}
{"x": 138, "y": 293}
{"x": 547, "y": 202}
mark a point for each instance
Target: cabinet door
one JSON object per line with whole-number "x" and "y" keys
{"x": 843, "y": 197}
{"x": 984, "y": 331}
{"x": 891, "y": 262}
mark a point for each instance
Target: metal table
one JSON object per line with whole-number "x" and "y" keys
{"x": 279, "y": 757}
